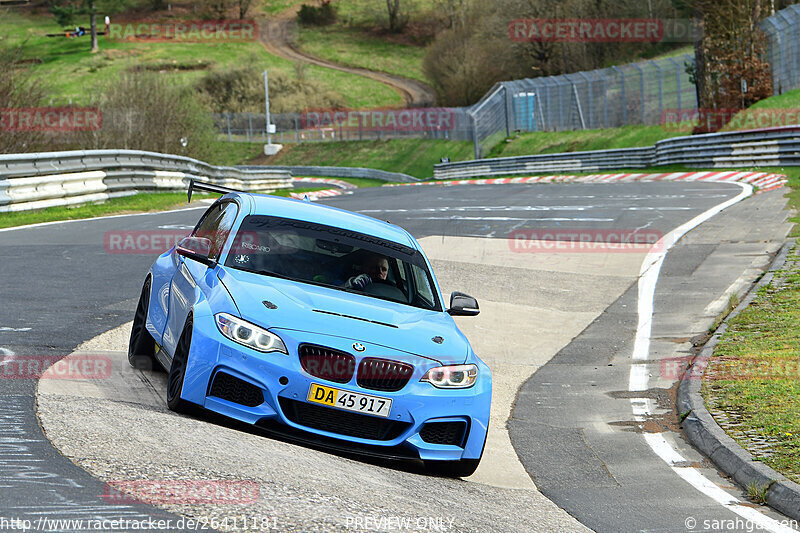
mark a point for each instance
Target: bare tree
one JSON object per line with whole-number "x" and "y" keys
{"x": 397, "y": 18}
{"x": 729, "y": 53}
{"x": 93, "y": 24}
{"x": 244, "y": 7}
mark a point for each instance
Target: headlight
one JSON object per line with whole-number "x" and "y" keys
{"x": 248, "y": 334}
{"x": 452, "y": 377}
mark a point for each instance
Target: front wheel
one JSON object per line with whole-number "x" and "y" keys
{"x": 177, "y": 372}
{"x": 142, "y": 346}
{"x": 460, "y": 468}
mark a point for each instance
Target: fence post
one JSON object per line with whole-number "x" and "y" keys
{"x": 250, "y": 131}
{"x": 624, "y": 103}
{"x": 641, "y": 87}
{"x": 660, "y": 91}
{"x": 506, "y": 102}
{"x": 591, "y": 96}
{"x": 296, "y": 127}
{"x": 605, "y": 98}
{"x": 475, "y": 144}
{"x": 678, "y": 81}
{"x": 228, "y": 117}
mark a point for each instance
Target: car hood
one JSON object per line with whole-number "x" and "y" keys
{"x": 320, "y": 310}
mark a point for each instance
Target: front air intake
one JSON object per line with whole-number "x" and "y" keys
{"x": 233, "y": 389}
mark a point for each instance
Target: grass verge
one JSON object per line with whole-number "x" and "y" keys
{"x": 356, "y": 48}
{"x": 414, "y": 157}
{"x": 138, "y": 203}
{"x": 751, "y": 385}
{"x": 550, "y": 142}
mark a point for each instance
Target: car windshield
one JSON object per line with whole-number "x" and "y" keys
{"x": 333, "y": 257}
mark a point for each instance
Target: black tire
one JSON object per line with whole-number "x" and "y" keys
{"x": 460, "y": 468}
{"x": 142, "y": 346}
{"x": 177, "y": 372}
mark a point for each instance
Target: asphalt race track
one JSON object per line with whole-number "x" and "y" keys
{"x": 557, "y": 328}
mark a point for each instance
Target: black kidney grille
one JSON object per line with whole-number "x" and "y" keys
{"x": 451, "y": 433}
{"x": 236, "y": 390}
{"x": 341, "y": 422}
{"x": 327, "y": 363}
{"x": 383, "y": 374}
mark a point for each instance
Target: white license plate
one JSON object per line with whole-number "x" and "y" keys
{"x": 349, "y": 401}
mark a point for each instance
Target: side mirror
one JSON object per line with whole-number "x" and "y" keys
{"x": 463, "y": 305}
{"x": 196, "y": 248}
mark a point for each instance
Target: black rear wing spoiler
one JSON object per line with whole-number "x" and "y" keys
{"x": 202, "y": 186}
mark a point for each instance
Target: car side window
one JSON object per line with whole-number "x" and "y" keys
{"x": 423, "y": 287}
{"x": 215, "y": 225}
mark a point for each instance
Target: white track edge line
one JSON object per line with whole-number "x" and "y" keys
{"x": 638, "y": 380}
{"x": 40, "y": 224}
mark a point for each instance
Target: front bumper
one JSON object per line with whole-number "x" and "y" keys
{"x": 285, "y": 386}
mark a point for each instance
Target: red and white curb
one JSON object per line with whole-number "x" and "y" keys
{"x": 316, "y": 195}
{"x": 764, "y": 181}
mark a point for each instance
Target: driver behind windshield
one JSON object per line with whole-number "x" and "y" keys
{"x": 374, "y": 268}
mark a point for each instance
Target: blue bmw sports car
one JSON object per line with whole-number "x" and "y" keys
{"x": 319, "y": 324}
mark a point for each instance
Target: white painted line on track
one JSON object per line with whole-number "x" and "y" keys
{"x": 554, "y": 219}
{"x": 6, "y": 328}
{"x": 7, "y": 353}
{"x": 638, "y": 380}
{"x": 40, "y": 224}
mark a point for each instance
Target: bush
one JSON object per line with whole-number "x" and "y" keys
{"x": 18, "y": 89}
{"x": 321, "y": 15}
{"x": 65, "y": 15}
{"x": 462, "y": 67}
{"x": 241, "y": 90}
{"x": 145, "y": 111}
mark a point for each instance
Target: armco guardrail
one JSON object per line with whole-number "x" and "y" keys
{"x": 752, "y": 148}
{"x": 342, "y": 172}
{"x": 33, "y": 181}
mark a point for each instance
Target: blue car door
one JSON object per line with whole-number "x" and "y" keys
{"x": 193, "y": 281}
